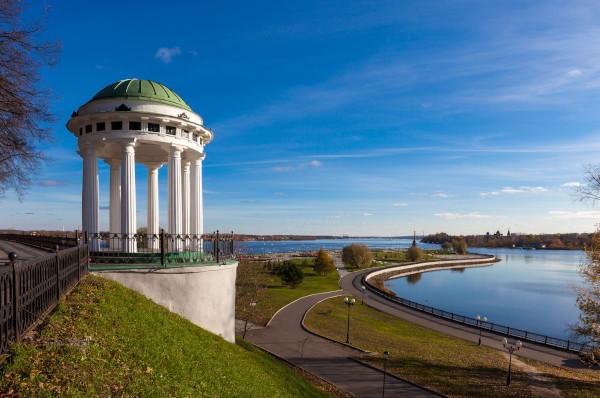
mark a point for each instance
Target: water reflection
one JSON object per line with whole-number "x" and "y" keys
{"x": 459, "y": 270}
{"x": 413, "y": 279}
{"x": 528, "y": 290}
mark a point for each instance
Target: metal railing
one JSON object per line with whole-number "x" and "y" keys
{"x": 30, "y": 289}
{"x": 501, "y": 329}
{"x": 109, "y": 249}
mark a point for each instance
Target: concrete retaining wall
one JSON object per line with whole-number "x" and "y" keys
{"x": 203, "y": 294}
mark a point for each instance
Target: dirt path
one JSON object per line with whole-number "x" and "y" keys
{"x": 540, "y": 384}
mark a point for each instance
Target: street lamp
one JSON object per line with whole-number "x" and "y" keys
{"x": 363, "y": 296}
{"x": 349, "y": 303}
{"x": 511, "y": 348}
{"x": 479, "y": 325}
{"x": 385, "y": 355}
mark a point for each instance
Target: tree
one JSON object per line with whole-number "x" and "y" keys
{"x": 291, "y": 274}
{"x": 251, "y": 286}
{"x": 588, "y": 298}
{"x": 413, "y": 253}
{"x": 446, "y": 245}
{"x": 358, "y": 255}
{"x": 24, "y": 105}
{"x": 323, "y": 263}
{"x": 459, "y": 245}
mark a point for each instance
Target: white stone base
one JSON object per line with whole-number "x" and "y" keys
{"x": 203, "y": 294}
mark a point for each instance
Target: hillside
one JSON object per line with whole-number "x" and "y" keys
{"x": 106, "y": 340}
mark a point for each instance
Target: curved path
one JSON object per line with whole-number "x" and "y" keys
{"x": 24, "y": 252}
{"x": 285, "y": 337}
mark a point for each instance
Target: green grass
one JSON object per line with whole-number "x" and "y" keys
{"x": 137, "y": 348}
{"x": 278, "y": 295}
{"x": 446, "y": 364}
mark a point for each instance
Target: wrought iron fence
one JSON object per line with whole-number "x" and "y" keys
{"x": 109, "y": 249}
{"x": 43, "y": 241}
{"x": 501, "y": 329}
{"x": 30, "y": 289}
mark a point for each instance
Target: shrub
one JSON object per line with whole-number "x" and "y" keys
{"x": 357, "y": 255}
{"x": 290, "y": 274}
{"x": 446, "y": 245}
{"x": 459, "y": 245}
{"x": 414, "y": 253}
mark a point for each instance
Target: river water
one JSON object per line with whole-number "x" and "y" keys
{"x": 528, "y": 289}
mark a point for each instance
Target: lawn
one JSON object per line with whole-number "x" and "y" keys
{"x": 446, "y": 364}
{"x": 277, "y": 295}
{"x": 106, "y": 340}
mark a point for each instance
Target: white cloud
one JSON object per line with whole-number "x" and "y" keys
{"x": 489, "y": 193}
{"x": 278, "y": 194}
{"x": 442, "y": 195}
{"x": 315, "y": 163}
{"x": 524, "y": 189}
{"x": 575, "y": 73}
{"x": 572, "y": 184}
{"x": 574, "y": 215}
{"x": 367, "y": 214}
{"x": 334, "y": 216}
{"x": 166, "y": 54}
{"x": 400, "y": 204}
{"x": 284, "y": 169}
{"x": 457, "y": 216}
{"x": 250, "y": 201}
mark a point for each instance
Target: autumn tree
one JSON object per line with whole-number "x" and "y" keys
{"x": 25, "y": 113}
{"x": 413, "y": 253}
{"x": 459, "y": 245}
{"x": 251, "y": 289}
{"x": 323, "y": 263}
{"x": 358, "y": 255}
{"x": 588, "y": 298}
{"x": 446, "y": 245}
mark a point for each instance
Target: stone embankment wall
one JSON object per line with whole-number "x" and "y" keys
{"x": 376, "y": 278}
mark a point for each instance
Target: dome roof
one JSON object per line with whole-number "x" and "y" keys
{"x": 141, "y": 90}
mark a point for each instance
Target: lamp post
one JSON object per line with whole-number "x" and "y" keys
{"x": 385, "y": 355}
{"x": 479, "y": 325}
{"x": 511, "y": 348}
{"x": 363, "y": 292}
{"x": 349, "y": 303}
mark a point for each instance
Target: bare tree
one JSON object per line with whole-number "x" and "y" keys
{"x": 25, "y": 114}
{"x": 589, "y": 192}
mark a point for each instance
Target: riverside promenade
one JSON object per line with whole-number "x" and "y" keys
{"x": 24, "y": 252}
{"x": 286, "y": 337}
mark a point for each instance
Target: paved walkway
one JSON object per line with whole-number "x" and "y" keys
{"x": 331, "y": 361}
{"x": 24, "y": 252}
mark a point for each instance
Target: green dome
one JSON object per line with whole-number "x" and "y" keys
{"x": 141, "y": 90}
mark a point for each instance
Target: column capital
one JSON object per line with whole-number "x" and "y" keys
{"x": 153, "y": 166}
{"x": 175, "y": 149}
{"x": 113, "y": 162}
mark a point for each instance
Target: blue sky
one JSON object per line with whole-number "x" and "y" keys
{"x": 345, "y": 117}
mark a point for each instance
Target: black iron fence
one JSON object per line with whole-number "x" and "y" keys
{"x": 501, "y": 329}
{"x": 30, "y": 289}
{"x": 109, "y": 249}
{"x": 42, "y": 241}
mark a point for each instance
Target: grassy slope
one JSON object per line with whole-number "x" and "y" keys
{"x": 444, "y": 363}
{"x": 138, "y": 348}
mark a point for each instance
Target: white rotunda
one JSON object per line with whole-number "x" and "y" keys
{"x": 141, "y": 121}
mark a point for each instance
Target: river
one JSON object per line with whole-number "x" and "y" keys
{"x": 527, "y": 289}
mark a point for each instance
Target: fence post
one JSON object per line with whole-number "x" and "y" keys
{"x": 56, "y": 252}
{"x": 86, "y": 237}
{"x": 15, "y": 297}
{"x": 162, "y": 248}
{"x": 78, "y": 263}
{"x": 217, "y": 246}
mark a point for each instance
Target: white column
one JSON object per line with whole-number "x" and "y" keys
{"x": 174, "y": 205}
{"x": 114, "y": 204}
{"x": 152, "y": 215}
{"x": 90, "y": 205}
{"x": 128, "y": 216}
{"x": 196, "y": 211}
{"x": 185, "y": 198}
